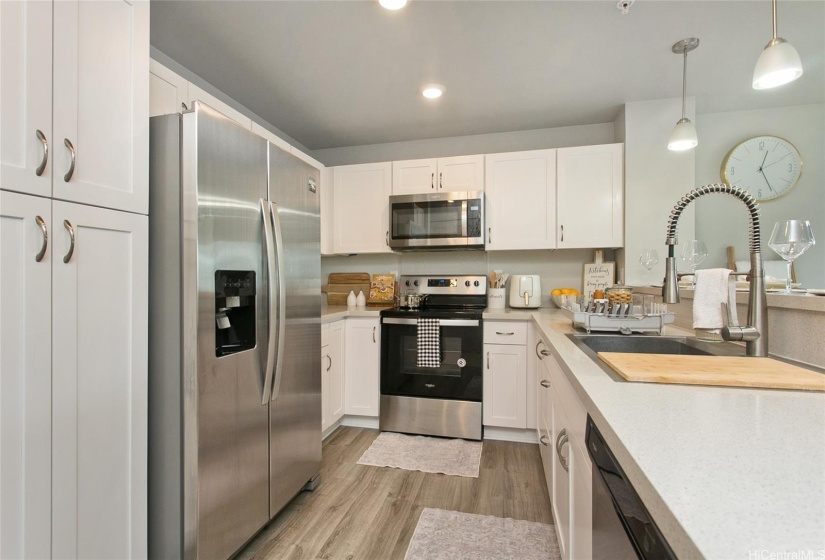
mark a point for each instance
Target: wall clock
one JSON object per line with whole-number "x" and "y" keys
{"x": 767, "y": 166}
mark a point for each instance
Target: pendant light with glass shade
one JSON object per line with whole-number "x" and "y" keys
{"x": 778, "y": 64}
{"x": 683, "y": 136}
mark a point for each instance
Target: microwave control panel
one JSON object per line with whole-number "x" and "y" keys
{"x": 474, "y": 209}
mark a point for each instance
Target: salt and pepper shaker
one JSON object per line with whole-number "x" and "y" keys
{"x": 351, "y": 299}
{"x": 361, "y": 300}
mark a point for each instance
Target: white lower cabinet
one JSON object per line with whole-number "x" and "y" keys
{"x": 73, "y": 383}
{"x": 362, "y": 366}
{"x": 561, "y": 420}
{"x": 332, "y": 375}
{"x": 505, "y": 386}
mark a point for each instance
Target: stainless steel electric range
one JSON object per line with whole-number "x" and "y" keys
{"x": 444, "y": 399}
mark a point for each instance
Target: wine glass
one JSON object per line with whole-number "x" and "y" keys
{"x": 694, "y": 253}
{"x": 648, "y": 259}
{"x": 791, "y": 238}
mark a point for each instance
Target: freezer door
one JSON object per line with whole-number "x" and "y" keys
{"x": 295, "y": 409}
{"x": 227, "y": 169}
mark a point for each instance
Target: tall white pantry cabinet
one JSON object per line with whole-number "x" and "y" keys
{"x": 73, "y": 278}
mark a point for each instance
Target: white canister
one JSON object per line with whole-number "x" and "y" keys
{"x": 361, "y": 300}
{"x": 351, "y": 299}
{"x": 495, "y": 298}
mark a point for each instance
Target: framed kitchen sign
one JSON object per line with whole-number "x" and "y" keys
{"x": 597, "y": 276}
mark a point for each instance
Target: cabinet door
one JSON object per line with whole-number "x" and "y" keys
{"x": 168, "y": 91}
{"x": 25, "y": 377}
{"x": 561, "y": 478}
{"x": 521, "y": 200}
{"x": 462, "y": 173}
{"x": 505, "y": 386}
{"x": 101, "y": 103}
{"x": 361, "y": 196}
{"x": 99, "y": 383}
{"x": 591, "y": 196}
{"x": 26, "y": 97}
{"x": 581, "y": 518}
{"x": 336, "y": 372}
{"x": 415, "y": 176}
{"x": 362, "y": 367}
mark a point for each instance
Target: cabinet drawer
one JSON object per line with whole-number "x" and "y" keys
{"x": 505, "y": 332}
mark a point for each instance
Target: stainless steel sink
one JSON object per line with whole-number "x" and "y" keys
{"x": 638, "y": 344}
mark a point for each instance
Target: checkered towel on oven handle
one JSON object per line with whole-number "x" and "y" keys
{"x": 429, "y": 343}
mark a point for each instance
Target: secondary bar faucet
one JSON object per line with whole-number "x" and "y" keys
{"x": 755, "y": 334}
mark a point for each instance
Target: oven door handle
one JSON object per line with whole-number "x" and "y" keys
{"x": 442, "y": 322}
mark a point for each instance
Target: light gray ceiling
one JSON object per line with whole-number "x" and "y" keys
{"x": 346, "y": 73}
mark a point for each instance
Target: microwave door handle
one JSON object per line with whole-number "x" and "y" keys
{"x": 279, "y": 258}
{"x": 464, "y": 218}
{"x": 270, "y": 284}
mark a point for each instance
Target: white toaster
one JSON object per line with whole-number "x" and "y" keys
{"x": 525, "y": 290}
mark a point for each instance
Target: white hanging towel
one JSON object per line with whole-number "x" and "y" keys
{"x": 714, "y": 286}
{"x": 429, "y": 343}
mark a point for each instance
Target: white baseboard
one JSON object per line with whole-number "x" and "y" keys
{"x": 328, "y": 432}
{"x": 511, "y": 434}
{"x": 360, "y": 421}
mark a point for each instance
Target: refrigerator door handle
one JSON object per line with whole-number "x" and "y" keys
{"x": 279, "y": 257}
{"x": 270, "y": 285}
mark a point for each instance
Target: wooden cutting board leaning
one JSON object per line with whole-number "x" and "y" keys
{"x": 339, "y": 285}
{"x": 726, "y": 371}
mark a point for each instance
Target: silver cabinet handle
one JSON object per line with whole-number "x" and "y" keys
{"x": 39, "y": 256}
{"x": 440, "y": 182}
{"x": 562, "y": 233}
{"x": 544, "y": 440}
{"x": 387, "y": 238}
{"x": 432, "y": 180}
{"x": 544, "y": 383}
{"x": 42, "y": 166}
{"x": 70, "y": 172}
{"x": 183, "y": 106}
{"x": 489, "y": 235}
{"x": 541, "y": 353}
{"x": 373, "y": 335}
{"x": 68, "y": 256}
{"x": 329, "y": 365}
{"x": 505, "y": 333}
{"x": 560, "y": 441}
{"x": 488, "y": 360}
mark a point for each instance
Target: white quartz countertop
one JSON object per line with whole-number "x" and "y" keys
{"x": 332, "y": 313}
{"x": 725, "y": 472}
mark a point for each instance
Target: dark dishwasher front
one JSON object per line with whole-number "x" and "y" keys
{"x": 622, "y": 527}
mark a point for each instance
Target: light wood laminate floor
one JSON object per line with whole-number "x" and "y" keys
{"x": 363, "y": 512}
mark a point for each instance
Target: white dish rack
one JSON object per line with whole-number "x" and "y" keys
{"x": 626, "y": 324}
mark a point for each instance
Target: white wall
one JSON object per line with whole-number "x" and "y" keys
{"x": 655, "y": 179}
{"x": 584, "y": 135}
{"x": 722, "y": 221}
{"x": 558, "y": 269}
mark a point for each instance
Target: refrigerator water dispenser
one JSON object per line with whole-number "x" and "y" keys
{"x": 234, "y": 311}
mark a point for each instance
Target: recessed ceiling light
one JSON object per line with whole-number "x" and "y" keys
{"x": 432, "y": 91}
{"x": 393, "y": 4}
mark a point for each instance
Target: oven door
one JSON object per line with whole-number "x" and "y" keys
{"x": 459, "y": 375}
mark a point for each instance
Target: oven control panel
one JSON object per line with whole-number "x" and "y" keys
{"x": 448, "y": 285}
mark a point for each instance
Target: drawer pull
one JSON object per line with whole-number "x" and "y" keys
{"x": 544, "y": 440}
{"x": 505, "y": 333}
{"x": 544, "y": 383}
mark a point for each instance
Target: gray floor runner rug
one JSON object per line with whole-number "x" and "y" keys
{"x": 419, "y": 453}
{"x": 452, "y": 535}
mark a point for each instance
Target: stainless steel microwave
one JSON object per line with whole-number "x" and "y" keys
{"x": 451, "y": 220}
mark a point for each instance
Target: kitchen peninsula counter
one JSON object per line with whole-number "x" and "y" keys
{"x": 725, "y": 472}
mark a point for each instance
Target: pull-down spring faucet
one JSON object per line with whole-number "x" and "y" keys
{"x": 755, "y": 334}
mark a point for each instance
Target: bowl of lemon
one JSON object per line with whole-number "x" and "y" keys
{"x": 563, "y": 297}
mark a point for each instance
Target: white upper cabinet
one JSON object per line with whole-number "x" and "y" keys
{"x": 101, "y": 103}
{"x": 168, "y": 91}
{"x": 361, "y": 208}
{"x": 26, "y": 140}
{"x": 590, "y": 190}
{"x": 422, "y": 176}
{"x": 520, "y": 190}
{"x": 198, "y": 94}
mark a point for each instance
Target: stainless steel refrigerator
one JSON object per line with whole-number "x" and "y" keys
{"x": 234, "y": 331}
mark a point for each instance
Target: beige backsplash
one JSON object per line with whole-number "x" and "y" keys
{"x": 796, "y": 324}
